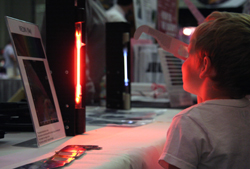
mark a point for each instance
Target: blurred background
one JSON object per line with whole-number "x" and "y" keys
{"x": 150, "y": 12}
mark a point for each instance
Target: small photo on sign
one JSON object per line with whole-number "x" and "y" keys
{"x": 41, "y": 93}
{"x": 28, "y": 46}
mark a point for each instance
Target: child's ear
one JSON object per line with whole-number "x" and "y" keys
{"x": 206, "y": 69}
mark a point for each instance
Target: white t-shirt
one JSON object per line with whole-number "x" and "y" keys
{"x": 7, "y": 52}
{"x": 115, "y": 14}
{"x": 211, "y": 135}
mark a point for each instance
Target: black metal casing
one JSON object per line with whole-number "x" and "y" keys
{"x": 115, "y": 43}
{"x": 61, "y": 16}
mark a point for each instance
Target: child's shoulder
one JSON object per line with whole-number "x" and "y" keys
{"x": 189, "y": 110}
{"x": 214, "y": 107}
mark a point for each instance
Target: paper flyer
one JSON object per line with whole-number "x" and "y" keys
{"x": 37, "y": 80}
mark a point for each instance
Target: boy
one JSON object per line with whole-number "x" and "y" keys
{"x": 215, "y": 133}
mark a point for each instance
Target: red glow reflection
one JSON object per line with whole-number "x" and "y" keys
{"x": 79, "y": 44}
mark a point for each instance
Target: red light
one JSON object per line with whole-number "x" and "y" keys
{"x": 79, "y": 44}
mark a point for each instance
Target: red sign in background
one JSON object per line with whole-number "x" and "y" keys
{"x": 168, "y": 17}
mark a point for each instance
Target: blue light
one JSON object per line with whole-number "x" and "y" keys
{"x": 125, "y": 53}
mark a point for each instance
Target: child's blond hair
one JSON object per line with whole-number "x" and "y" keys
{"x": 225, "y": 38}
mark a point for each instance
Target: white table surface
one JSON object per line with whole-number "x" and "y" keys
{"x": 122, "y": 147}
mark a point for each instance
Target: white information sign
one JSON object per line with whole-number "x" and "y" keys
{"x": 145, "y": 13}
{"x": 171, "y": 67}
{"x": 37, "y": 80}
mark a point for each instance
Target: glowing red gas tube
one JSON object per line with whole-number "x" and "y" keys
{"x": 78, "y": 56}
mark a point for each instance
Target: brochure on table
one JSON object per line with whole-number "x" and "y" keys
{"x": 37, "y": 80}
